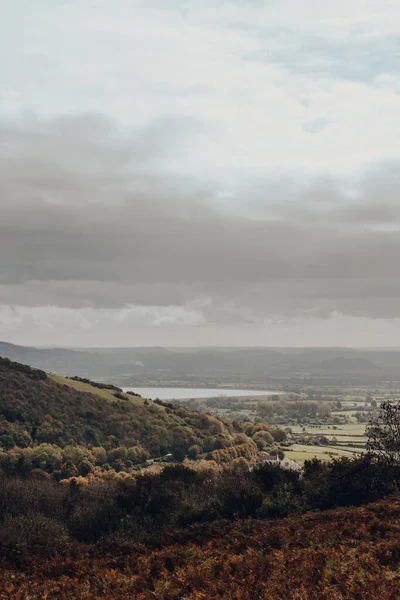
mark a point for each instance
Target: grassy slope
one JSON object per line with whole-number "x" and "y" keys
{"x": 344, "y": 554}
{"x": 108, "y": 395}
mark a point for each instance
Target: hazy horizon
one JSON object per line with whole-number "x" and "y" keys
{"x": 185, "y": 174}
{"x": 207, "y": 347}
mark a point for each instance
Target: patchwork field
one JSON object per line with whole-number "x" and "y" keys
{"x": 349, "y": 439}
{"x": 301, "y": 452}
{"x": 351, "y": 432}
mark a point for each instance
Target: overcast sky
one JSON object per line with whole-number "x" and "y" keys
{"x": 200, "y": 173}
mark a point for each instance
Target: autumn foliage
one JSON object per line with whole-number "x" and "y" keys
{"x": 337, "y": 555}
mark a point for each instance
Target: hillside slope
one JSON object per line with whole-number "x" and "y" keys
{"x": 61, "y": 411}
{"x": 344, "y": 554}
{"x": 123, "y": 429}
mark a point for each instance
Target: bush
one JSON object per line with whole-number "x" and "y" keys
{"x": 347, "y": 482}
{"x": 269, "y": 476}
{"x": 282, "y": 502}
{"x": 240, "y": 496}
{"x": 93, "y": 510}
{"x": 21, "y": 497}
{"x": 24, "y": 535}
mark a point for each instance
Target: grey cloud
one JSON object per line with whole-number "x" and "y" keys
{"x": 85, "y": 223}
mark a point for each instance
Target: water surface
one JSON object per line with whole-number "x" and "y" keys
{"x": 184, "y": 393}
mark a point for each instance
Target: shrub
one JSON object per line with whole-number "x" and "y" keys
{"x": 93, "y": 510}
{"x": 24, "y": 535}
{"x": 347, "y": 482}
{"x": 282, "y": 502}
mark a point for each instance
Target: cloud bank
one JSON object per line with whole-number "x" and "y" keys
{"x": 83, "y": 224}
{"x": 184, "y": 166}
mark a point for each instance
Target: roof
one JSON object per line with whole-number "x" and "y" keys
{"x": 290, "y": 465}
{"x": 271, "y": 457}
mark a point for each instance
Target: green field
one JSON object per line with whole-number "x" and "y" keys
{"x": 351, "y": 432}
{"x": 300, "y": 453}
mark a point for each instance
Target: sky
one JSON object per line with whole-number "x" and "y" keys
{"x": 188, "y": 173}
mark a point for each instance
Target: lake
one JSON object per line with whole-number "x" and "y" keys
{"x": 183, "y": 393}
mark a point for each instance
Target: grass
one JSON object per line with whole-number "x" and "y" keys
{"x": 85, "y": 387}
{"x": 301, "y": 453}
{"x": 351, "y": 432}
{"x": 349, "y": 428}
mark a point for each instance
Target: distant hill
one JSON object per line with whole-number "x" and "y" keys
{"x": 346, "y": 365}
{"x": 253, "y": 367}
{"x": 62, "y": 361}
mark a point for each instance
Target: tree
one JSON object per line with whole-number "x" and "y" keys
{"x": 178, "y": 454}
{"x": 240, "y": 465}
{"x": 384, "y": 434}
{"x": 324, "y": 410}
{"x": 346, "y": 481}
{"x": 85, "y": 468}
{"x": 279, "y": 435}
{"x": 194, "y": 452}
{"x": 263, "y": 439}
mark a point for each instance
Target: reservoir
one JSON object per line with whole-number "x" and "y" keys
{"x": 185, "y": 393}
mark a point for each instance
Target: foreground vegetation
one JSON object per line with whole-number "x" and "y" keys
{"x": 337, "y": 555}
{"x": 35, "y": 514}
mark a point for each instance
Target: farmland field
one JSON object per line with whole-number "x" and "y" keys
{"x": 351, "y": 432}
{"x": 350, "y": 439}
{"x": 301, "y": 452}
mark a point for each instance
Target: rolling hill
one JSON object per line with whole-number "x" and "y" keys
{"x": 346, "y": 365}
{"x": 45, "y": 417}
